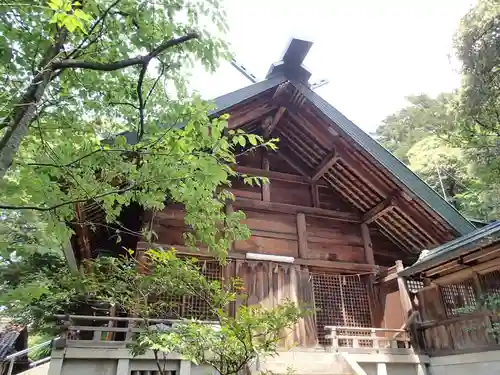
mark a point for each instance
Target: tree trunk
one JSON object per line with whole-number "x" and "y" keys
{"x": 23, "y": 114}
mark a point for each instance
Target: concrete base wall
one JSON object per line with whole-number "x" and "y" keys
{"x": 485, "y": 363}
{"x": 108, "y": 361}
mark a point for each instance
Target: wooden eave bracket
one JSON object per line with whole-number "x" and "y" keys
{"x": 325, "y": 165}
{"x": 380, "y": 209}
{"x": 268, "y": 127}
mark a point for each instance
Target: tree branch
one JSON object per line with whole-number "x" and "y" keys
{"x": 51, "y": 208}
{"x": 140, "y": 81}
{"x": 121, "y": 64}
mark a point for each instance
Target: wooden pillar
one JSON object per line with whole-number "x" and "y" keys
{"x": 266, "y": 188}
{"x": 302, "y": 235}
{"x": 403, "y": 290}
{"x": 370, "y": 259}
{"x": 367, "y": 243}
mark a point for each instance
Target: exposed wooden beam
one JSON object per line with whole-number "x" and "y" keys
{"x": 251, "y": 204}
{"x": 274, "y": 122}
{"x": 325, "y": 165}
{"x": 377, "y": 211}
{"x": 236, "y": 121}
{"x": 337, "y": 265}
{"x": 293, "y": 165}
{"x": 272, "y": 175}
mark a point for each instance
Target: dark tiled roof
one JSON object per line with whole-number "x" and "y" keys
{"x": 453, "y": 249}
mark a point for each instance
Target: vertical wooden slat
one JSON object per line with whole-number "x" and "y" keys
{"x": 310, "y": 337}
{"x": 302, "y": 235}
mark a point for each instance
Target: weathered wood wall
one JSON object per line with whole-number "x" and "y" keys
{"x": 309, "y": 221}
{"x": 453, "y": 319}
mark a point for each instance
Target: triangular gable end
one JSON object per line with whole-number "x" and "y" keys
{"x": 322, "y": 144}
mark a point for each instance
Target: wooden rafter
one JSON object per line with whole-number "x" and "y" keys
{"x": 274, "y": 122}
{"x": 379, "y": 210}
{"x": 325, "y": 165}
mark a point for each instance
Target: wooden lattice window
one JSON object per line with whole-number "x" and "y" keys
{"x": 458, "y": 297}
{"x": 194, "y": 307}
{"x": 340, "y": 300}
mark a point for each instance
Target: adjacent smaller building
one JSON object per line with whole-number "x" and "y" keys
{"x": 459, "y": 302}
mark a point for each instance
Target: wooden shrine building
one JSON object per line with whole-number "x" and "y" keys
{"x": 457, "y": 280}
{"x": 340, "y": 216}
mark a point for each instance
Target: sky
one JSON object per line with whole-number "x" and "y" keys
{"x": 373, "y": 52}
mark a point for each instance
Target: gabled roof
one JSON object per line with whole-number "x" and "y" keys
{"x": 453, "y": 249}
{"x": 387, "y": 160}
{"x": 426, "y": 221}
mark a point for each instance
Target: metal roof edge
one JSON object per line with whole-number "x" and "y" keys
{"x": 400, "y": 171}
{"x": 455, "y": 248}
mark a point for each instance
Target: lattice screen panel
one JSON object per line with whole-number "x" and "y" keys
{"x": 340, "y": 300}
{"x": 192, "y": 306}
{"x": 491, "y": 282}
{"x": 458, "y": 297}
{"x": 196, "y": 307}
{"x": 414, "y": 285}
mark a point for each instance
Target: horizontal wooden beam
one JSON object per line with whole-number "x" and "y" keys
{"x": 344, "y": 266}
{"x": 236, "y": 121}
{"x": 377, "y": 211}
{"x": 325, "y": 165}
{"x": 272, "y": 175}
{"x": 285, "y": 208}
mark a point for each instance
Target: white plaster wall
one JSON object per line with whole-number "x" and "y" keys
{"x": 486, "y": 363}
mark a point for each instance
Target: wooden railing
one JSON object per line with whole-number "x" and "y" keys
{"x": 370, "y": 339}
{"x": 107, "y": 329}
{"x": 462, "y": 333}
